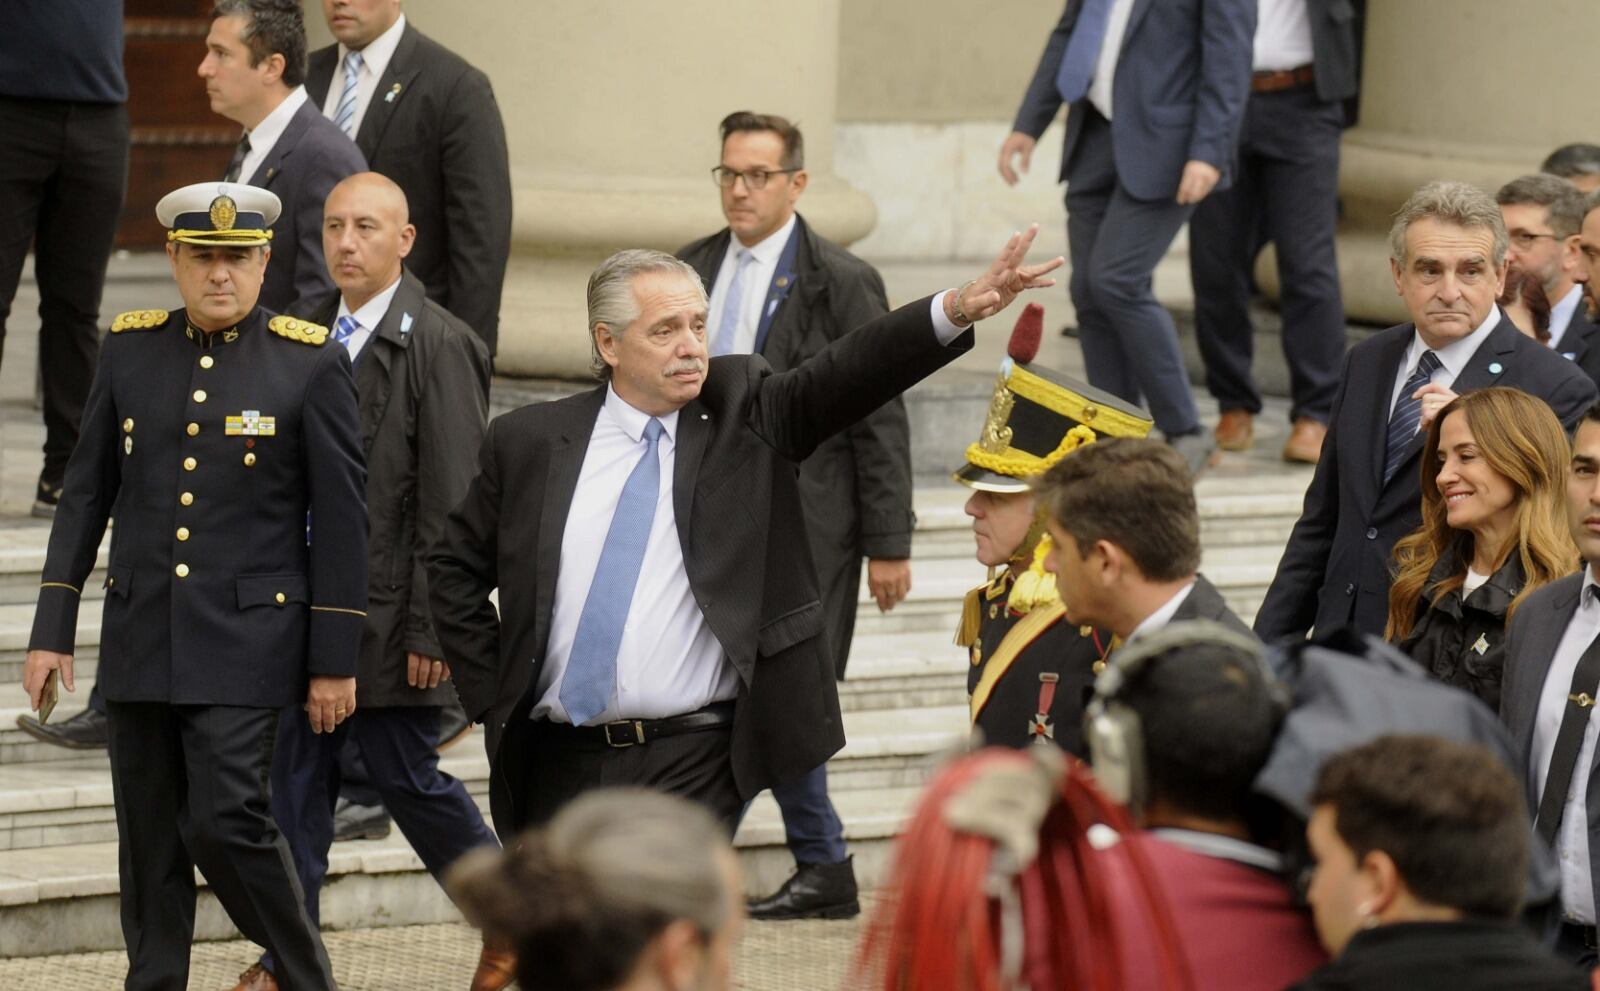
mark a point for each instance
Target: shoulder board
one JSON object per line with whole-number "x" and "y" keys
{"x": 139, "y": 320}
{"x": 296, "y": 329}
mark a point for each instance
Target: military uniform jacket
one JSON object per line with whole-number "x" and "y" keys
{"x": 210, "y": 454}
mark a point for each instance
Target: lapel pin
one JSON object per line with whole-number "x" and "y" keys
{"x": 1496, "y": 368}
{"x": 405, "y": 324}
{"x": 783, "y": 281}
{"x": 394, "y": 91}
{"x": 705, "y": 416}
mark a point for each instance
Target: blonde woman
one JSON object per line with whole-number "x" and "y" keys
{"x": 1493, "y": 530}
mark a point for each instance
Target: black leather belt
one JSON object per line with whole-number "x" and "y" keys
{"x": 624, "y": 733}
{"x": 1580, "y": 935}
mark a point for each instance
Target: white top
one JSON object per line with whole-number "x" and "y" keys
{"x": 266, "y": 134}
{"x": 1572, "y": 841}
{"x": 369, "y": 316}
{"x": 1453, "y": 357}
{"x": 1562, "y": 312}
{"x": 1161, "y": 617}
{"x": 374, "y": 60}
{"x": 753, "y": 293}
{"x": 1105, "y": 70}
{"x": 1283, "y": 35}
{"x": 1474, "y": 581}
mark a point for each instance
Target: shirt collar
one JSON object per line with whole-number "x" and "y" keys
{"x": 1562, "y": 312}
{"x": 1161, "y": 617}
{"x": 373, "y": 310}
{"x": 769, "y": 249}
{"x": 266, "y": 134}
{"x": 375, "y": 57}
{"x": 1221, "y": 847}
{"x": 632, "y": 421}
{"x": 1455, "y": 355}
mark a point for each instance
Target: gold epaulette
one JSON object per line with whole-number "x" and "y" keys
{"x": 296, "y": 329}
{"x": 139, "y": 320}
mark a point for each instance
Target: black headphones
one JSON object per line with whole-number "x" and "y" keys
{"x": 1111, "y": 728}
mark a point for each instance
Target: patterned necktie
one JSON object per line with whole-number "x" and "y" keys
{"x": 236, "y": 163}
{"x": 345, "y": 116}
{"x": 1083, "y": 50}
{"x": 1407, "y": 415}
{"x": 592, "y": 666}
{"x": 344, "y": 330}
{"x": 728, "y": 323}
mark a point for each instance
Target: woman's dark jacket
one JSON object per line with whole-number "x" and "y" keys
{"x": 1460, "y": 640}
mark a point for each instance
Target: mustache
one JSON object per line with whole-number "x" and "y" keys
{"x": 684, "y": 365}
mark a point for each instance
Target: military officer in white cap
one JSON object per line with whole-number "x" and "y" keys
{"x": 212, "y": 434}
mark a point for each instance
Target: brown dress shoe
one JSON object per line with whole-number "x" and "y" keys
{"x": 497, "y": 966}
{"x": 257, "y": 978}
{"x": 1305, "y": 441}
{"x": 1236, "y": 430}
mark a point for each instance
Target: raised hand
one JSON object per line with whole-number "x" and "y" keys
{"x": 1004, "y": 280}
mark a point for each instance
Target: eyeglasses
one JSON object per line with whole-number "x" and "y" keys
{"x": 1525, "y": 239}
{"x": 753, "y": 178}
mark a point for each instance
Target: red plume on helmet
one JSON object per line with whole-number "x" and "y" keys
{"x": 1024, "y": 345}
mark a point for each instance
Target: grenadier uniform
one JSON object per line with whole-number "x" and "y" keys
{"x": 1031, "y": 671}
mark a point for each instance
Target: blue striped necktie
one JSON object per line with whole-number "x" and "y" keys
{"x": 592, "y": 666}
{"x": 1083, "y": 50}
{"x": 1407, "y": 415}
{"x": 728, "y": 323}
{"x": 345, "y": 115}
{"x": 345, "y": 328}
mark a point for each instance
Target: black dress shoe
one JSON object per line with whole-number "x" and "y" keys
{"x": 815, "y": 891}
{"x": 360, "y": 822}
{"x": 45, "y": 501}
{"x": 85, "y": 731}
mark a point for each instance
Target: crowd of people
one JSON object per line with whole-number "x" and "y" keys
{"x": 328, "y": 561}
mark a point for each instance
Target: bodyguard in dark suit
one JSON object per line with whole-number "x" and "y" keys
{"x": 1156, "y": 92}
{"x": 1286, "y": 190}
{"x": 1544, "y": 219}
{"x": 777, "y": 289}
{"x": 428, "y": 120}
{"x": 212, "y": 435}
{"x": 288, "y": 147}
{"x": 660, "y": 621}
{"x": 1448, "y": 248}
{"x": 1581, "y": 343}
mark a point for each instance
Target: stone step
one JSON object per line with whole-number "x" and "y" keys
{"x": 23, "y": 542}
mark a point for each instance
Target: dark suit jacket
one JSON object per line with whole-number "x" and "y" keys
{"x": 309, "y": 158}
{"x": 745, "y": 551}
{"x": 1532, "y": 637}
{"x": 440, "y": 138}
{"x": 856, "y": 488}
{"x": 423, "y": 385}
{"x": 1580, "y": 344}
{"x": 1205, "y": 602}
{"x": 1336, "y": 46}
{"x": 1335, "y": 571}
{"x": 1179, "y": 92}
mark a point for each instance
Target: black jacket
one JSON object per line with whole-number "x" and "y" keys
{"x": 423, "y": 385}
{"x": 1472, "y": 955}
{"x": 1336, "y": 28}
{"x": 1462, "y": 640}
{"x": 434, "y": 128}
{"x": 1335, "y": 570}
{"x": 1580, "y": 344}
{"x": 1205, "y": 602}
{"x": 745, "y": 550}
{"x": 856, "y": 488}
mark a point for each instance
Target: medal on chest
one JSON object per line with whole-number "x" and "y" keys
{"x": 1041, "y": 729}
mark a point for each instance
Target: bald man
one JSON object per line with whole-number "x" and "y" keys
{"x": 422, "y": 381}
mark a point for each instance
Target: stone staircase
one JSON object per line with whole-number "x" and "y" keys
{"x": 904, "y": 706}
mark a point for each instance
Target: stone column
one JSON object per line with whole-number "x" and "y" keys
{"x": 611, "y": 109}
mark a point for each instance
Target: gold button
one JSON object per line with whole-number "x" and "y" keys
{"x": 189, "y": 463}
{"x": 182, "y": 571}
{"x": 206, "y": 361}
{"x": 249, "y": 460}
{"x": 280, "y": 598}
{"x": 127, "y": 425}
{"x": 111, "y": 583}
{"x": 193, "y": 429}
{"x": 199, "y": 395}
{"x": 183, "y": 533}
{"x": 187, "y": 498}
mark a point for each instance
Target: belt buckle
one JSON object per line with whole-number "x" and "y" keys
{"x": 636, "y": 726}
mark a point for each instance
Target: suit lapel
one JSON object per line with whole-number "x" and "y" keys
{"x": 390, "y": 339}
{"x": 396, "y": 81}
{"x": 567, "y": 449}
{"x": 709, "y": 261}
{"x": 1483, "y": 370}
{"x": 1544, "y": 636}
{"x": 694, "y": 430}
{"x": 319, "y": 73}
{"x": 1382, "y": 385}
{"x": 272, "y": 165}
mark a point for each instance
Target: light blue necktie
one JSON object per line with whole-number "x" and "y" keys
{"x": 345, "y": 115}
{"x": 592, "y": 666}
{"x": 344, "y": 330}
{"x": 728, "y": 324}
{"x": 1407, "y": 415}
{"x": 1083, "y": 50}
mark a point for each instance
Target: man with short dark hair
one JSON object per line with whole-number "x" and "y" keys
{"x": 1544, "y": 216}
{"x": 1126, "y": 533}
{"x": 1578, "y": 163}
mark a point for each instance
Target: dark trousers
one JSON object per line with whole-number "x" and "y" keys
{"x": 191, "y": 789}
{"x": 1130, "y": 346}
{"x": 63, "y": 173}
{"x": 1287, "y": 188}
{"x": 811, "y": 825}
{"x": 1577, "y": 945}
{"x": 432, "y": 809}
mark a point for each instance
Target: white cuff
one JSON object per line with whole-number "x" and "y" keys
{"x": 943, "y": 328}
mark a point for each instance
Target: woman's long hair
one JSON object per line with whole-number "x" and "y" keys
{"x": 1522, "y": 440}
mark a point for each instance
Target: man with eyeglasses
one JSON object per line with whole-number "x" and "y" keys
{"x": 779, "y": 290}
{"x": 1543, "y": 215}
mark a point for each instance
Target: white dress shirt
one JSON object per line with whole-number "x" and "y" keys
{"x": 1572, "y": 841}
{"x": 753, "y": 292}
{"x": 1453, "y": 357}
{"x": 1161, "y": 617}
{"x": 1105, "y": 69}
{"x": 1283, "y": 35}
{"x": 374, "y": 60}
{"x": 369, "y": 316}
{"x": 1561, "y": 314}
{"x": 266, "y": 134}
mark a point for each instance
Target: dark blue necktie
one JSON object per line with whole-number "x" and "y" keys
{"x": 1407, "y": 414}
{"x": 1083, "y": 50}
{"x": 592, "y": 666}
